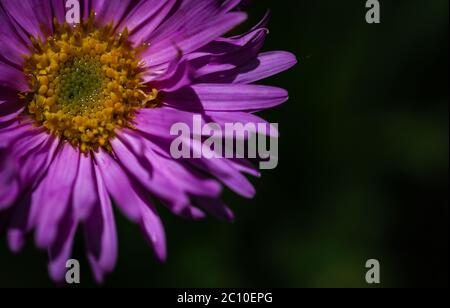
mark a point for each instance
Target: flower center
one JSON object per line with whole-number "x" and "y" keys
{"x": 86, "y": 82}
{"x": 79, "y": 85}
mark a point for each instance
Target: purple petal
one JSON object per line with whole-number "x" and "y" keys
{"x": 153, "y": 179}
{"x": 245, "y": 166}
{"x": 190, "y": 39}
{"x": 12, "y": 47}
{"x": 223, "y": 118}
{"x": 157, "y": 122}
{"x": 145, "y": 17}
{"x": 18, "y": 222}
{"x": 227, "y": 53}
{"x": 30, "y": 15}
{"x": 9, "y": 184}
{"x": 11, "y": 77}
{"x": 190, "y": 14}
{"x": 110, "y": 11}
{"x": 35, "y": 164}
{"x": 216, "y": 207}
{"x": 174, "y": 79}
{"x": 224, "y": 171}
{"x": 119, "y": 185}
{"x": 16, "y": 240}
{"x": 187, "y": 179}
{"x": 53, "y": 196}
{"x": 85, "y": 195}
{"x": 153, "y": 230}
{"x": 10, "y": 106}
{"x": 264, "y": 66}
{"x": 100, "y": 233}
{"x": 226, "y": 97}
{"x": 133, "y": 201}
{"x": 61, "y": 250}
{"x": 12, "y": 116}
{"x": 59, "y": 10}
{"x": 14, "y": 131}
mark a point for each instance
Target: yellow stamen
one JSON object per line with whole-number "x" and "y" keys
{"x": 86, "y": 83}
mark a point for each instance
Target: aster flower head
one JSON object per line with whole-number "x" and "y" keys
{"x": 86, "y": 112}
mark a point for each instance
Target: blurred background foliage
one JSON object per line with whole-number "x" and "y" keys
{"x": 363, "y": 166}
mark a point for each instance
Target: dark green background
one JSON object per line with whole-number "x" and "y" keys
{"x": 363, "y": 171}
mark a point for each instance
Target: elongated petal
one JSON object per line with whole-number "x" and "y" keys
{"x": 187, "y": 179}
{"x": 189, "y": 14}
{"x": 155, "y": 180}
{"x": 85, "y": 195}
{"x": 61, "y": 250}
{"x": 11, "y": 77}
{"x": 265, "y": 65}
{"x": 31, "y": 15}
{"x": 9, "y": 184}
{"x": 224, "y": 171}
{"x": 54, "y": 194}
{"x": 190, "y": 39}
{"x": 100, "y": 234}
{"x": 224, "y": 97}
{"x": 226, "y": 54}
{"x": 216, "y": 207}
{"x": 12, "y": 47}
{"x": 133, "y": 201}
{"x": 222, "y": 168}
{"x": 154, "y": 230}
{"x": 145, "y": 17}
{"x": 119, "y": 185}
{"x": 18, "y": 222}
{"x": 35, "y": 165}
{"x": 110, "y": 11}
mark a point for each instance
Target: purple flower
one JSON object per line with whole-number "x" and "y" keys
{"x": 86, "y": 111}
